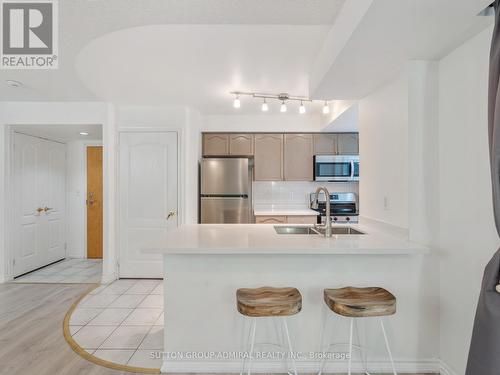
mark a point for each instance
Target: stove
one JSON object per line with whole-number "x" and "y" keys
{"x": 343, "y": 207}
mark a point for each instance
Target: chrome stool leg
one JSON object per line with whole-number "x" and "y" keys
{"x": 351, "y": 326}
{"x": 252, "y": 344}
{"x": 292, "y": 356}
{"x": 361, "y": 348}
{"x": 388, "y": 347}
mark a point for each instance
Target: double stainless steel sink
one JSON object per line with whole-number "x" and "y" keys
{"x": 295, "y": 229}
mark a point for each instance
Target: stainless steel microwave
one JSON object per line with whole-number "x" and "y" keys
{"x": 336, "y": 168}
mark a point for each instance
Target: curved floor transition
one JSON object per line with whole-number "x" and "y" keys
{"x": 119, "y": 326}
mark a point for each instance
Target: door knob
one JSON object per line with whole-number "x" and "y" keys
{"x": 46, "y": 209}
{"x": 171, "y": 214}
{"x": 91, "y": 200}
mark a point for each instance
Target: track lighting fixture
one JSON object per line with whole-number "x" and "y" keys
{"x": 282, "y": 97}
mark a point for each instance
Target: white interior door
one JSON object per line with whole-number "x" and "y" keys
{"x": 39, "y": 174}
{"x": 148, "y": 192}
{"x": 55, "y": 201}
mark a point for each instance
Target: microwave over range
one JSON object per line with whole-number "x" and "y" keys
{"x": 336, "y": 168}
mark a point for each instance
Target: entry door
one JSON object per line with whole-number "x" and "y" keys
{"x": 148, "y": 193}
{"x": 94, "y": 202}
{"x": 39, "y": 202}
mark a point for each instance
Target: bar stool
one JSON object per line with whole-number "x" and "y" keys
{"x": 355, "y": 303}
{"x": 268, "y": 302}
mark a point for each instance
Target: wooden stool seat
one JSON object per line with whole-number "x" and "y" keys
{"x": 360, "y": 302}
{"x": 268, "y": 301}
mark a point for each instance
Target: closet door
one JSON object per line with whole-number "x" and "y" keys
{"x": 54, "y": 202}
{"x": 148, "y": 199}
{"x": 39, "y": 177}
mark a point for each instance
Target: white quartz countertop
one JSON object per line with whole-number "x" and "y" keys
{"x": 284, "y": 211}
{"x": 263, "y": 239}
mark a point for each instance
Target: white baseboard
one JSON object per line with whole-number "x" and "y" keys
{"x": 445, "y": 369}
{"x": 232, "y": 366}
{"x": 108, "y": 278}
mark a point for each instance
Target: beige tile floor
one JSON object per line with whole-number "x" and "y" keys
{"x": 122, "y": 322}
{"x": 70, "y": 270}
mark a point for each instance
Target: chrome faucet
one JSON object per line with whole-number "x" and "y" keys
{"x": 328, "y": 220}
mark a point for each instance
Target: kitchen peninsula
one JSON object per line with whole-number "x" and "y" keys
{"x": 204, "y": 265}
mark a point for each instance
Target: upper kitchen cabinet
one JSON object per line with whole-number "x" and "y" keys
{"x": 336, "y": 144}
{"x": 325, "y": 144}
{"x": 298, "y": 157}
{"x": 347, "y": 144}
{"x": 215, "y": 144}
{"x": 241, "y": 144}
{"x": 268, "y": 156}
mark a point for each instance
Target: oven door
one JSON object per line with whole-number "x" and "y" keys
{"x": 333, "y": 168}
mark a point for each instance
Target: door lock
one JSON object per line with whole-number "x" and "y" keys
{"x": 91, "y": 198}
{"x": 171, "y": 214}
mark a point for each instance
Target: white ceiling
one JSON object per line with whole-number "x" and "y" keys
{"x": 82, "y": 21}
{"x": 62, "y": 132}
{"x": 199, "y": 65}
{"x": 193, "y": 52}
{"x": 393, "y": 32}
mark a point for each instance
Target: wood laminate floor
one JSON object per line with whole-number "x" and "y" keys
{"x": 31, "y": 336}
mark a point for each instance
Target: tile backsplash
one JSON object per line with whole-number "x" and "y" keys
{"x": 294, "y": 193}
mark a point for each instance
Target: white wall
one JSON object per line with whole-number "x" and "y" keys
{"x": 383, "y": 149}
{"x": 263, "y": 123}
{"x": 423, "y": 151}
{"x": 467, "y": 234}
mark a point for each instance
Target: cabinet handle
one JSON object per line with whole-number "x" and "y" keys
{"x": 171, "y": 214}
{"x": 47, "y": 209}
{"x": 39, "y": 210}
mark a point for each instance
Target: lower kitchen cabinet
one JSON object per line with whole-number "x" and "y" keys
{"x": 270, "y": 219}
{"x": 292, "y": 219}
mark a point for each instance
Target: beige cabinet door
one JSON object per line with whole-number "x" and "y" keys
{"x": 241, "y": 144}
{"x": 268, "y": 156}
{"x": 270, "y": 219}
{"x": 348, "y": 144}
{"x": 298, "y": 158}
{"x": 325, "y": 144}
{"x": 215, "y": 144}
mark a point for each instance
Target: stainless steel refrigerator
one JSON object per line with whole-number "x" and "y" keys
{"x": 226, "y": 190}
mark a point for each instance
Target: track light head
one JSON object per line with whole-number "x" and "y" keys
{"x": 236, "y": 102}
{"x": 283, "y": 107}
{"x": 326, "y": 108}
{"x": 302, "y": 108}
{"x": 265, "y": 107}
